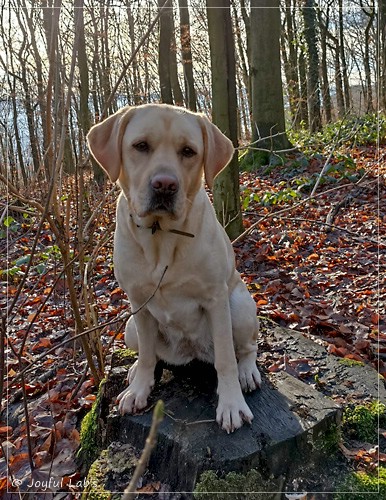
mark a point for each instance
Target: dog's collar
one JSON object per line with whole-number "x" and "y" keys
{"x": 156, "y": 227}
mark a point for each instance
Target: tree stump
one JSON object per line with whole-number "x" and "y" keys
{"x": 289, "y": 418}
{"x": 288, "y": 443}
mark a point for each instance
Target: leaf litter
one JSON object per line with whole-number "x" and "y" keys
{"x": 326, "y": 282}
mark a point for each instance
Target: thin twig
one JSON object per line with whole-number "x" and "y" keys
{"x": 336, "y": 142}
{"x": 132, "y": 57}
{"x": 42, "y": 356}
{"x": 158, "y": 415}
{"x": 152, "y": 295}
{"x": 291, "y": 207}
{"x": 333, "y": 226}
{"x": 2, "y": 358}
{"x": 125, "y": 316}
{"x": 97, "y": 211}
{"x": 27, "y": 424}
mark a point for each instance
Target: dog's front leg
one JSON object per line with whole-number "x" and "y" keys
{"x": 134, "y": 397}
{"x": 232, "y": 408}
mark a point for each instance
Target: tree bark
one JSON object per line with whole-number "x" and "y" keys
{"x": 186, "y": 55}
{"x": 226, "y": 191}
{"x": 178, "y": 96}
{"x": 323, "y": 25}
{"x": 346, "y": 84}
{"x": 165, "y": 37}
{"x": 366, "y": 60}
{"x": 40, "y": 79}
{"x": 313, "y": 90}
{"x": 338, "y": 77}
{"x": 382, "y": 53}
{"x": 105, "y": 62}
{"x": 265, "y": 70}
{"x": 245, "y": 88}
{"x": 303, "y": 107}
{"x": 84, "y": 90}
{"x": 291, "y": 65}
{"x": 136, "y": 78}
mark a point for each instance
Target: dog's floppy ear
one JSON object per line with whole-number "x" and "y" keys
{"x": 218, "y": 150}
{"x": 105, "y": 141}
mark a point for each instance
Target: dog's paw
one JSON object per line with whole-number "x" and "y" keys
{"x": 134, "y": 398}
{"x": 131, "y": 373}
{"x": 249, "y": 375}
{"x": 231, "y": 412}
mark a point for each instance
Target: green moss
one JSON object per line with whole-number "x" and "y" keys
{"x": 110, "y": 474}
{"x": 358, "y": 485}
{"x": 361, "y": 422}
{"x": 123, "y": 357}
{"x": 94, "y": 485}
{"x": 250, "y": 161}
{"x": 89, "y": 444}
{"x": 350, "y": 362}
{"x": 328, "y": 441}
{"x": 233, "y": 486}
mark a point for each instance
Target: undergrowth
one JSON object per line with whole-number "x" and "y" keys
{"x": 363, "y": 486}
{"x": 350, "y": 132}
{"x": 362, "y": 421}
{"x": 330, "y": 150}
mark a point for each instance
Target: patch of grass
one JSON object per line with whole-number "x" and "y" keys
{"x": 358, "y": 485}
{"x": 361, "y": 421}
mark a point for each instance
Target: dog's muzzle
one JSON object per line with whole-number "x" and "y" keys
{"x": 163, "y": 193}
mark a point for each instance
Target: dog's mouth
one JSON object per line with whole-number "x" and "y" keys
{"x": 163, "y": 204}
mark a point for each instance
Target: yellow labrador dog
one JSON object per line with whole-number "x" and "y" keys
{"x": 201, "y": 308}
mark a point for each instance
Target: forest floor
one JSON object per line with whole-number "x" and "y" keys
{"x": 315, "y": 265}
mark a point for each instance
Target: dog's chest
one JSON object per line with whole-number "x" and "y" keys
{"x": 176, "y": 309}
{"x": 183, "y": 329}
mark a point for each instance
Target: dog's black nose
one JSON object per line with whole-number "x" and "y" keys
{"x": 165, "y": 184}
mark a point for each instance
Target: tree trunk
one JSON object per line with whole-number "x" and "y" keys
{"x": 226, "y": 191}
{"x": 84, "y": 91}
{"x": 265, "y": 70}
{"x": 303, "y": 107}
{"x": 186, "y": 55}
{"x": 165, "y": 37}
{"x": 30, "y": 119}
{"x": 366, "y": 61}
{"x": 178, "y": 96}
{"x": 136, "y": 87}
{"x": 313, "y": 91}
{"x": 382, "y": 54}
{"x": 16, "y": 130}
{"x": 338, "y": 83}
{"x": 324, "y": 72}
{"x": 96, "y": 71}
{"x": 245, "y": 88}
{"x": 42, "y": 96}
{"x": 104, "y": 55}
{"x": 346, "y": 84}
{"x": 291, "y": 66}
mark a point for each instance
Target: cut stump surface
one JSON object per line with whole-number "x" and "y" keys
{"x": 289, "y": 418}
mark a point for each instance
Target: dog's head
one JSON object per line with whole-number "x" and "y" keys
{"x": 158, "y": 154}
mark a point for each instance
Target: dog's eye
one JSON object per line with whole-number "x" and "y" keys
{"x": 187, "y": 152}
{"x": 142, "y": 146}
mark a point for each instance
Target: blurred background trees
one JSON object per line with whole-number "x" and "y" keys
{"x": 277, "y": 64}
